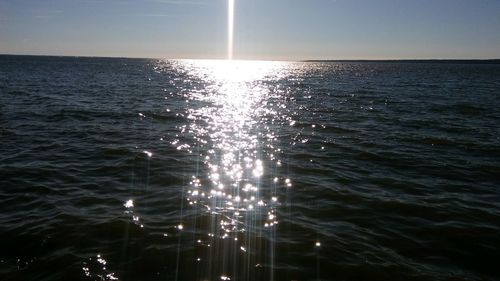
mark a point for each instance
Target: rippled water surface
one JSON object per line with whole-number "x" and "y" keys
{"x": 135, "y": 169}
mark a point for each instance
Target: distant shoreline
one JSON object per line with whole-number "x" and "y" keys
{"x": 443, "y": 61}
{"x": 456, "y": 61}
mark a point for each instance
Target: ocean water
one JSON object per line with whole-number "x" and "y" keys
{"x": 141, "y": 169}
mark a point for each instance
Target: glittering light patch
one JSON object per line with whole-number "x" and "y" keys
{"x": 229, "y": 130}
{"x": 96, "y": 268}
{"x": 129, "y": 204}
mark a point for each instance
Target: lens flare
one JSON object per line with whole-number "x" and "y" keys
{"x": 230, "y": 28}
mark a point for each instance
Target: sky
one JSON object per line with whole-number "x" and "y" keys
{"x": 263, "y": 29}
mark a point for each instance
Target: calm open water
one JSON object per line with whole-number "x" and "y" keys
{"x": 136, "y": 169}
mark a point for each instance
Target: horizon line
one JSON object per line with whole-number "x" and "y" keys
{"x": 283, "y": 60}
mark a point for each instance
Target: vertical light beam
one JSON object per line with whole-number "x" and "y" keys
{"x": 230, "y": 28}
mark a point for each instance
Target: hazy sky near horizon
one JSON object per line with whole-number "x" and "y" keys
{"x": 264, "y": 29}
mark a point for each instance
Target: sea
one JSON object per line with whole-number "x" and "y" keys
{"x": 157, "y": 169}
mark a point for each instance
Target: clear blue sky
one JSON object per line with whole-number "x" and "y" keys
{"x": 264, "y": 29}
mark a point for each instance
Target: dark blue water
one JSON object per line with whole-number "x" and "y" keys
{"x": 136, "y": 169}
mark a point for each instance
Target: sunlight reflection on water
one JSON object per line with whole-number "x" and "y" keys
{"x": 239, "y": 193}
